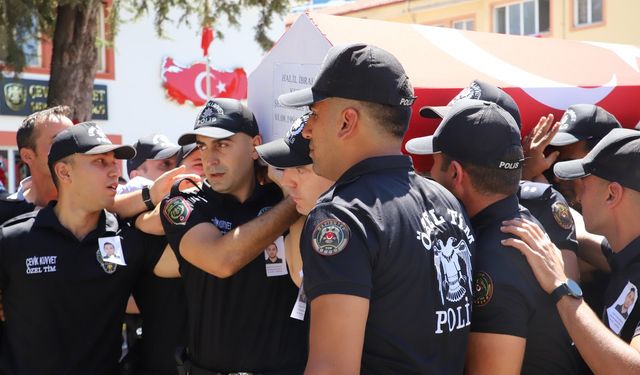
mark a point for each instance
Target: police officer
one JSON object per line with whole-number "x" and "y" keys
{"x": 34, "y": 139}
{"x": 387, "y": 254}
{"x": 290, "y": 155}
{"x": 218, "y": 233}
{"x": 63, "y": 301}
{"x": 609, "y": 192}
{"x": 190, "y": 158}
{"x": 581, "y": 127}
{"x": 160, "y": 299}
{"x": 542, "y": 200}
{"x": 155, "y": 155}
{"x": 515, "y": 328}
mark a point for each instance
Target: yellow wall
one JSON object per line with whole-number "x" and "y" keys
{"x": 620, "y": 24}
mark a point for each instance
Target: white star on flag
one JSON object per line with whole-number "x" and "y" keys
{"x": 221, "y": 87}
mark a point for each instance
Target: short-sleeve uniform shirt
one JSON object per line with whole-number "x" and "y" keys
{"x": 64, "y": 304}
{"x": 508, "y": 300}
{"x": 239, "y": 323}
{"x": 404, "y": 243}
{"x": 10, "y": 207}
{"x": 621, "y": 308}
{"x": 551, "y": 209}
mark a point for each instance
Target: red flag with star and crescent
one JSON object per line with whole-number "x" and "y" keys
{"x": 188, "y": 83}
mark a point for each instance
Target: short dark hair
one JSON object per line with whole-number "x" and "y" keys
{"x": 25, "y": 137}
{"x": 392, "y": 118}
{"x": 489, "y": 180}
{"x": 66, "y": 160}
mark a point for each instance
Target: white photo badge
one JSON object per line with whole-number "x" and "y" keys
{"x": 274, "y": 258}
{"x": 111, "y": 250}
{"x": 619, "y": 312}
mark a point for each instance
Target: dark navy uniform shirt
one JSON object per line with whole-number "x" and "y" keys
{"x": 163, "y": 308}
{"x": 621, "y": 308}
{"x": 11, "y": 207}
{"x": 240, "y": 323}
{"x": 508, "y": 300}
{"x": 551, "y": 209}
{"x": 404, "y": 243}
{"x": 63, "y": 303}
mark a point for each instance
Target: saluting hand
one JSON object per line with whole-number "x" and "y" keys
{"x": 543, "y": 256}
{"x": 534, "y": 145}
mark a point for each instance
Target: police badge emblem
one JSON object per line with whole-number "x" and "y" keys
{"x": 107, "y": 267}
{"x": 562, "y": 215}
{"x": 177, "y": 211}
{"x": 483, "y": 289}
{"x": 15, "y": 96}
{"x": 330, "y": 237}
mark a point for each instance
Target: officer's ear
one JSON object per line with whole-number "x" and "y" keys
{"x": 456, "y": 172}
{"x": 27, "y": 155}
{"x": 614, "y": 194}
{"x": 62, "y": 169}
{"x": 256, "y": 141}
{"x": 349, "y": 121}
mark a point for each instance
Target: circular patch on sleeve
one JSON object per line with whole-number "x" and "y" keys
{"x": 330, "y": 237}
{"x": 177, "y": 211}
{"x": 483, "y": 289}
{"x": 562, "y": 215}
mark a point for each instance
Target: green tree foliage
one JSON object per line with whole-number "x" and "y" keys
{"x": 23, "y": 20}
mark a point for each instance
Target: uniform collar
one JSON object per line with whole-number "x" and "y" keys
{"x": 501, "y": 208}
{"x": 374, "y": 165}
{"x": 107, "y": 223}
{"x": 628, "y": 255}
{"x": 19, "y": 194}
{"x": 258, "y": 194}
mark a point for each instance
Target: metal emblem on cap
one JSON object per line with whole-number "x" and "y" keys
{"x": 297, "y": 128}
{"x": 207, "y": 115}
{"x": 97, "y": 133}
{"x": 330, "y": 237}
{"x": 161, "y": 139}
{"x": 473, "y": 91}
{"x": 568, "y": 116}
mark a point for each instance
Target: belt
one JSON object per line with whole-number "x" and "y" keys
{"x": 187, "y": 367}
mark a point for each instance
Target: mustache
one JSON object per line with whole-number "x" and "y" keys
{"x": 215, "y": 170}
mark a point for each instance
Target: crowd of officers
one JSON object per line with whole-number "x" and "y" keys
{"x": 324, "y": 252}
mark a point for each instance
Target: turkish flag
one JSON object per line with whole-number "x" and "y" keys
{"x": 189, "y": 83}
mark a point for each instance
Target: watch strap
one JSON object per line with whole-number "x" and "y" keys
{"x": 146, "y": 198}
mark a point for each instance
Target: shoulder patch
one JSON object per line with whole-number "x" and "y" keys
{"x": 177, "y": 210}
{"x": 562, "y": 215}
{"x": 483, "y": 288}
{"x": 330, "y": 237}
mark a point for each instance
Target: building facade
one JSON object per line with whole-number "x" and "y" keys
{"x": 613, "y": 21}
{"x": 130, "y": 98}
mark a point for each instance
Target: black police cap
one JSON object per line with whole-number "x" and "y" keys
{"x": 85, "y": 138}
{"x": 290, "y": 151}
{"x": 477, "y": 90}
{"x": 222, "y": 118}
{"x": 475, "y": 131}
{"x": 359, "y": 72}
{"x": 584, "y": 121}
{"x": 615, "y": 158}
{"x": 152, "y": 147}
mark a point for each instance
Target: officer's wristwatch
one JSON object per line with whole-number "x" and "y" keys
{"x": 568, "y": 288}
